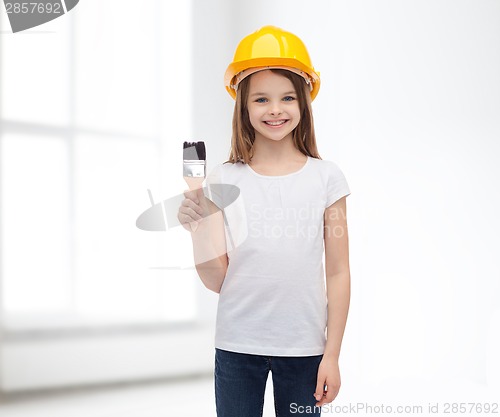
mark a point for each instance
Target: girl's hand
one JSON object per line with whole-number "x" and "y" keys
{"x": 193, "y": 211}
{"x": 329, "y": 375}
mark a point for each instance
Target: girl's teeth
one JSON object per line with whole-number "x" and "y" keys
{"x": 276, "y": 123}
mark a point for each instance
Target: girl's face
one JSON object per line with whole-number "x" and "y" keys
{"x": 272, "y": 106}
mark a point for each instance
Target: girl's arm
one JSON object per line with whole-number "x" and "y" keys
{"x": 209, "y": 247}
{"x": 338, "y": 288}
{"x": 338, "y": 276}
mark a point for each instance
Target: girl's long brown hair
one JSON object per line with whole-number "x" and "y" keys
{"x": 243, "y": 136}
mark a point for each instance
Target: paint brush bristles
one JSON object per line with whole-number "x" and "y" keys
{"x": 194, "y": 150}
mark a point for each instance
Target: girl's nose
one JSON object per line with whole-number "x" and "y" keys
{"x": 275, "y": 109}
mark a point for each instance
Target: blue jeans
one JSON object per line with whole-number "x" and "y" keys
{"x": 240, "y": 383}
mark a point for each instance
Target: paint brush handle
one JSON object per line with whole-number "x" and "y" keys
{"x": 193, "y": 184}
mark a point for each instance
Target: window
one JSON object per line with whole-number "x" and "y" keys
{"x": 91, "y": 117}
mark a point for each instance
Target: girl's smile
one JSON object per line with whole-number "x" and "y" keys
{"x": 274, "y": 124}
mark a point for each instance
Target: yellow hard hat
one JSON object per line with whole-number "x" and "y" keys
{"x": 270, "y": 47}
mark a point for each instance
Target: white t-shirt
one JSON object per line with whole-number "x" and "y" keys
{"x": 273, "y": 298}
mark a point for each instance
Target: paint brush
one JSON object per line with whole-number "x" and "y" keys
{"x": 194, "y": 167}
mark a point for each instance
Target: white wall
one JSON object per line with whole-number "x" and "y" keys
{"x": 213, "y": 48}
{"x": 408, "y": 108}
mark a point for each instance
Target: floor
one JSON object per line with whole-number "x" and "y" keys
{"x": 195, "y": 398}
{"x": 185, "y": 398}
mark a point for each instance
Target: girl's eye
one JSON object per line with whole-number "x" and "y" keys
{"x": 260, "y": 100}
{"x": 289, "y": 98}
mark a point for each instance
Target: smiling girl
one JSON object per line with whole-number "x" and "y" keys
{"x": 274, "y": 306}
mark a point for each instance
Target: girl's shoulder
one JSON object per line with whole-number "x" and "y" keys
{"x": 329, "y": 170}
{"x": 326, "y": 165}
{"x": 217, "y": 173}
{"x": 229, "y": 166}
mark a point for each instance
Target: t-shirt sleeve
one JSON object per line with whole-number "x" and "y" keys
{"x": 213, "y": 188}
{"x": 337, "y": 184}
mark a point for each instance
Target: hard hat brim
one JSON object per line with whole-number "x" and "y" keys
{"x": 236, "y": 67}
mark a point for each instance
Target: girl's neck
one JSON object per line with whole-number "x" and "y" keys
{"x": 272, "y": 153}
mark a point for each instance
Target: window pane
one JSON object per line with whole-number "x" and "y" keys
{"x": 35, "y": 72}
{"x": 35, "y": 224}
{"x": 117, "y": 69}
